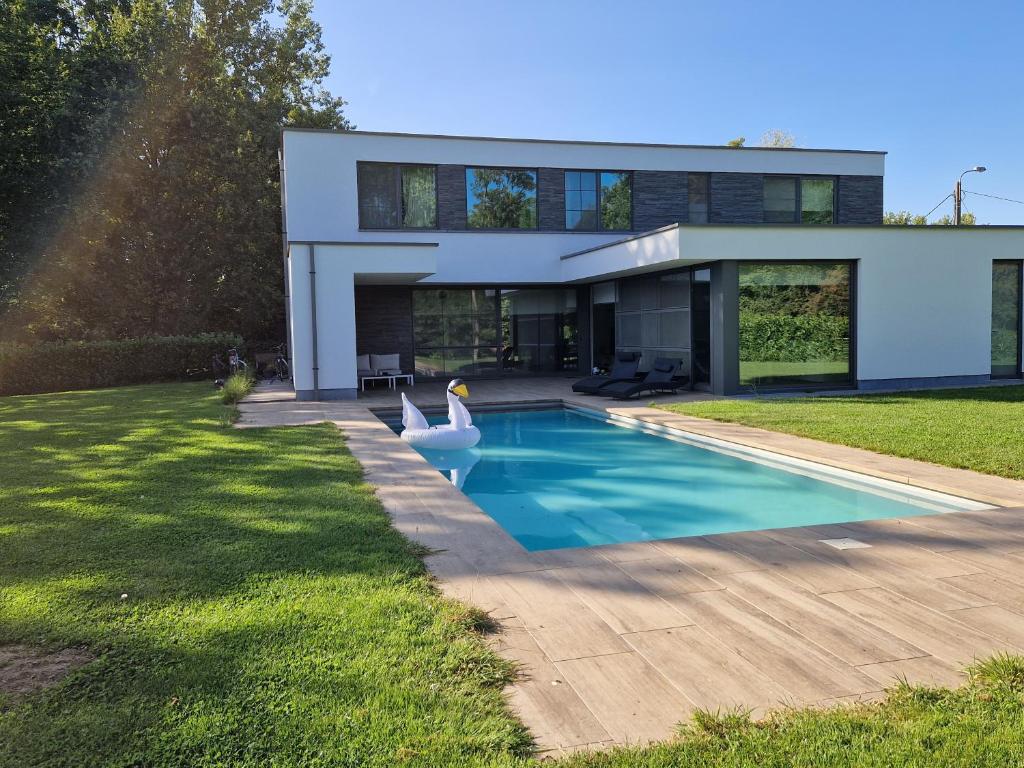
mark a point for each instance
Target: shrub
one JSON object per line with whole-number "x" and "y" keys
{"x": 793, "y": 338}
{"x": 59, "y": 366}
{"x": 237, "y": 386}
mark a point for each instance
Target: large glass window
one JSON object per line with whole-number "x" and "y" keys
{"x": 794, "y": 323}
{"x": 484, "y": 331}
{"x": 598, "y": 200}
{"x": 1006, "y": 309}
{"x": 779, "y": 200}
{"x": 395, "y": 196}
{"x": 817, "y": 201}
{"x": 501, "y": 198}
{"x": 539, "y": 330}
{"x": 455, "y": 331}
{"x": 697, "y": 190}
{"x": 794, "y": 200}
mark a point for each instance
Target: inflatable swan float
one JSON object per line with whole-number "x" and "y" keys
{"x": 457, "y": 434}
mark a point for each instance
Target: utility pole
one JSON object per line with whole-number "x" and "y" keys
{"x": 958, "y": 192}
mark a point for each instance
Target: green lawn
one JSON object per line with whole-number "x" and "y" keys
{"x": 978, "y": 428}
{"x": 274, "y": 618}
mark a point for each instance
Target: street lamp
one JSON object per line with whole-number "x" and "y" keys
{"x": 958, "y": 191}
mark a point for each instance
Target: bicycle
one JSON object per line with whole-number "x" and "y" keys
{"x": 281, "y": 366}
{"x": 235, "y": 362}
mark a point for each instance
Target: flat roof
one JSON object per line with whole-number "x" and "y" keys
{"x": 650, "y": 145}
{"x": 801, "y": 227}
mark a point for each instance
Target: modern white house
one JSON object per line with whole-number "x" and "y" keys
{"x": 758, "y": 269}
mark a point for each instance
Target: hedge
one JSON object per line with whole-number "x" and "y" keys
{"x": 60, "y": 366}
{"x": 793, "y": 338}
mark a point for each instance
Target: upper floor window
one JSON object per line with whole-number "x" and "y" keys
{"x": 393, "y": 196}
{"x": 501, "y": 198}
{"x": 697, "y": 191}
{"x": 598, "y": 200}
{"x": 799, "y": 200}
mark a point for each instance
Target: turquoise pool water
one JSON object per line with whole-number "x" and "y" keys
{"x": 558, "y": 478}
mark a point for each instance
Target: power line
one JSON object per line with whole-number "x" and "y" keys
{"x": 936, "y": 207}
{"x": 994, "y": 197}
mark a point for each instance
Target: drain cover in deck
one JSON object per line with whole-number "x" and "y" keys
{"x": 845, "y": 543}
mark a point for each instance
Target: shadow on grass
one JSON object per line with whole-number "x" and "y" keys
{"x": 243, "y": 591}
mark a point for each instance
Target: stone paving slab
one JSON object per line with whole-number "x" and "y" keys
{"x": 620, "y": 643}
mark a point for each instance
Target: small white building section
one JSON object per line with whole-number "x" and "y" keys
{"x": 923, "y": 295}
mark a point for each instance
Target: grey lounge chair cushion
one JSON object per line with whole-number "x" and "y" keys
{"x": 624, "y": 369}
{"x": 386, "y": 364}
{"x": 363, "y": 364}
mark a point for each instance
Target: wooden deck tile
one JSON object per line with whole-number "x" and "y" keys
{"x": 711, "y": 675}
{"x": 666, "y": 575}
{"x": 797, "y": 565}
{"x": 851, "y": 639}
{"x": 633, "y": 702}
{"x": 623, "y": 603}
{"x": 707, "y": 557}
{"x": 993, "y": 588}
{"x": 804, "y": 669}
{"x": 926, "y": 670}
{"x": 630, "y": 550}
{"x": 977, "y": 533}
{"x": 562, "y": 624}
{"x": 1007, "y": 567}
{"x": 937, "y": 633}
{"x": 995, "y": 620}
{"x": 886, "y": 572}
{"x": 543, "y": 697}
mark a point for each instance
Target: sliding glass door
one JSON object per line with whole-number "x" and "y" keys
{"x": 1006, "y": 319}
{"x": 495, "y": 331}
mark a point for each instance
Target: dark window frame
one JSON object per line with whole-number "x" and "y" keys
{"x": 398, "y": 192}
{"x": 797, "y": 179}
{"x": 536, "y": 196}
{"x": 597, "y": 187}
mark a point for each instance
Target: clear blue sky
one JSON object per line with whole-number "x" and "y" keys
{"x": 939, "y": 85}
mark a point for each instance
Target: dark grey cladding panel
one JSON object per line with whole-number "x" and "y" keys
{"x": 659, "y": 198}
{"x": 860, "y": 200}
{"x": 551, "y": 199}
{"x": 384, "y": 322}
{"x": 451, "y": 196}
{"x": 737, "y": 198}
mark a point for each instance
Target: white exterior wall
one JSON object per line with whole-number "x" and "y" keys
{"x": 320, "y": 178}
{"x": 924, "y": 294}
{"x": 337, "y": 269}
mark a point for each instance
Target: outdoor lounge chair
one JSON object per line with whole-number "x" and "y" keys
{"x": 624, "y": 370}
{"x": 661, "y": 378}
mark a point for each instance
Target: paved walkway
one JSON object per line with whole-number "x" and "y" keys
{"x": 619, "y": 643}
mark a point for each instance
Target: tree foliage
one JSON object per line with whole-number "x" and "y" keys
{"x": 139, "y": 181}
{"x": 502, "y": 199}
{"x": 906, "y": 218}
{"x": 776, "y": 137}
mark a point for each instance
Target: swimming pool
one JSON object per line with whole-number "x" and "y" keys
{"x": 563, "y": 478}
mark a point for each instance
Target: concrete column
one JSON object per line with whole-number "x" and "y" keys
{"x": 725, "y": 328}
{"x": 300, "y": 341}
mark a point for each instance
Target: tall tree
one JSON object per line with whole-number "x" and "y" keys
{"x": 172, "y": 224}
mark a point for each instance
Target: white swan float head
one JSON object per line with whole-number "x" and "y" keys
{"x": 457, "y": 434}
